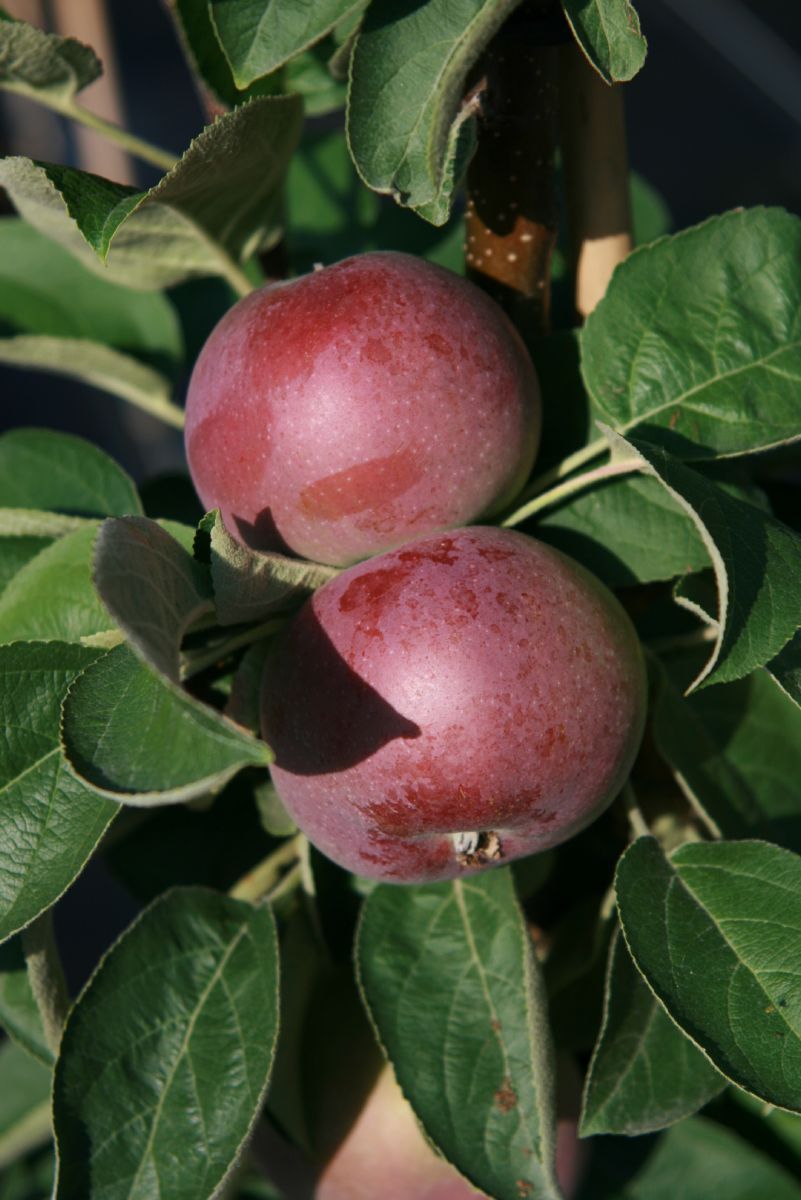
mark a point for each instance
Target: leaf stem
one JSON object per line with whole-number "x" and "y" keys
{"x": 566, "y": 467}
{"x": 115, "y": 133}
{"x": 194, "y": 663}
{"x": 684, "y": 641}
{"x": 576, "y": 484}
{"x": 46, "y": 977}
{"x": 266, "y": 877}
{"x": 637, "y": 822}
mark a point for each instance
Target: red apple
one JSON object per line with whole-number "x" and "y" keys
{"x": 459, "y": 702}
{"x": 360, "y": 407}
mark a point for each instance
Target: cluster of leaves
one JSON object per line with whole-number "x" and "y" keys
{"x": 131, "y": 645}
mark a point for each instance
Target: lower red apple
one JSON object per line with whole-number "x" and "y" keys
{"x": 456, "y": 703}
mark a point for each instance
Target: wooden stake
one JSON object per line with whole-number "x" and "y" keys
{"x": 595, "y": 165}
{"x": 511, "y": 205}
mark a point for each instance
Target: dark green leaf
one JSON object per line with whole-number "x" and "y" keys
{"x": 24, "y": 1101}
{"x": 608, "y": 32}
{"x": 756, "y": 559}
{"x": 42, "y": 469}
{"x": 409, "y": 130}
{"x": 152, "y": 587}
{"x": 716, "y": 931}
{"x": 166, "y": 1056}
{"x": 52, "y": 597}
{"x": 644, "y": 1073}
{"x": 43, "y": 65}
{"x": 697, "y": 342}
{"x": 251, "y": 586}
{"x": 49, "y": 822}
{"x": 259, "y": 35}
{"x": 217, "y": 206}
{"x": 477, "y": 1066}
{"x": 736, "y": 752}
{"x": 133, "y": 735}
{"x": 19, "y": 1014}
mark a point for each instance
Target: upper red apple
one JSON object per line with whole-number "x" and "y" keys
{"x": 464, "y": 700}
{"x": 359, "y": 407}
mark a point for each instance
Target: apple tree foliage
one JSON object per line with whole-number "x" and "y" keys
{"x": 663, "y": 951}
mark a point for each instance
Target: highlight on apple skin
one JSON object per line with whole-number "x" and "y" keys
{"x": 367, "y": 404}
{"x": 457, "y": 703}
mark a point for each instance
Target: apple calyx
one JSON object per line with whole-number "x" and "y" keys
{"x": 475, "y": 848}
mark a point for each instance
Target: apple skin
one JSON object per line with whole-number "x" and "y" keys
{"x": 359, "y": 407}
{"x": 476, "y": 681}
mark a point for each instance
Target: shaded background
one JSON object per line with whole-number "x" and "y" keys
{"x": 714, "y": 122}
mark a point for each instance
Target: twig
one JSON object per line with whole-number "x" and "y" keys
{"x": 637, "y": 823}
{"x": 197, "y": 661}
{"x": 578, "y": 483}
{"x": 268, "y": 874}
{"x": 46, "y": 977}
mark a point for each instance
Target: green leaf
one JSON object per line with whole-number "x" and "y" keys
{"x": 735, "y": 751}
{"x": 19, "y": 1014}
{"x": 694, "y": 1160}
{"x": 52, "y": 597}
{"x": 454, "y": 991}
{"x": 756, "y": 560}
{"x": 38, "y": 64}
{"x": 258, "y": 36}
{"x": 33, "y": 523}
{"x": 251, "y": 586}
{"x": 42, "y": 469}
{"x": 15, "y": 552}
{"x": 24, "y": 1101}
{"x": 101, "y": 366}
{"x": 409, "y": 130}
{"x": 45, "y": 290}
{"x": 715, "y": 930}
{"x": 161, "y": 1105}
{"x": 132, "y": 735}
{"x": 644, "y": 1073}
{"x": 49, "y": 822}
{"x": 330, "y": 215}
{"x": 626, "y": 530}
{"x": 201, "y": 45}
{"x": 697, "y": 342}
{"x": 218, "y": 205}
{"x": 152, "y": 587}
{"x": 608, "y": 32}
